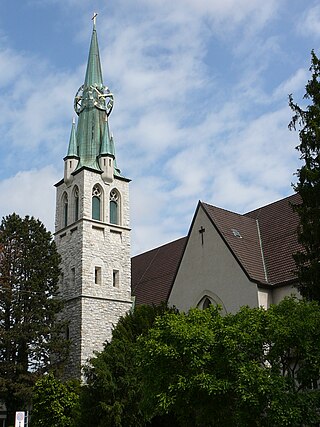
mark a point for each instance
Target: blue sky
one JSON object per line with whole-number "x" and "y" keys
{"x": 201, "y": 101}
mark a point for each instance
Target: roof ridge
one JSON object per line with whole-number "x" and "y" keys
{"x": 270, "y": 204}
{"x": 149, "y": 265}
{"x": 221, "y": 209}
{"x": 159, "y": 247}
{"x": 262, "y": 253}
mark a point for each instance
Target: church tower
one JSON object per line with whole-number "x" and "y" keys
{"x": 92, "y": 222}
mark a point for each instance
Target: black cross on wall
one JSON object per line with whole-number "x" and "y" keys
{"x": 201, "y": 231}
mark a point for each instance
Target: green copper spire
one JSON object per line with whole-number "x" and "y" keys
{"x": 106, "y": 148}
{"x": 72, "y": 149}
{"x": 93, "y": 104}
{"x": 93, "y": 73}
{"x": 117, "y": 171}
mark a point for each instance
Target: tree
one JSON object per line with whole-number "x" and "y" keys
{"x": 55, "y": 401}
{"x": 308, "y": 185}
{"x": 112, "y": 394}
{"x": 31, "y": 341}
{"x": 254, "y": 368}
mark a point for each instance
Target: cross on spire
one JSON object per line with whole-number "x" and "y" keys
{"x": 94, "y": 18}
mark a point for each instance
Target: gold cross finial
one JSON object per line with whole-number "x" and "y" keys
{"x": 94, "y": 18}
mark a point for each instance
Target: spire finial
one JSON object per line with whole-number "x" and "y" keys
{"x": 94, "y": 18}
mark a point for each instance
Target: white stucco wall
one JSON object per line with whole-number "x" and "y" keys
{"x": 211, "y": 269}
{"x": 281, "y": 292}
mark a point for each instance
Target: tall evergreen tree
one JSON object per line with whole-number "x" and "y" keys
{"x": 30, "y": 333}
{"x": 308, "y": 185}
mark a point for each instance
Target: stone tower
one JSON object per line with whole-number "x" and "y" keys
{"x": 92, "y": 222}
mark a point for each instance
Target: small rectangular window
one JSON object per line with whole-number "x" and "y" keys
{"x": 97, "y": 275}
{"x": 115, "y": 278}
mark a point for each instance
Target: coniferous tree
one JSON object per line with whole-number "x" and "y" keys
{"x": 308, "y": 186}
{"x": 30, "y": 335}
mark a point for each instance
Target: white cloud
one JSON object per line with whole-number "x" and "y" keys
{"x": 310, "y": 22}
{"x": 12, "y": 65}
{"x": 293, "y": 84}
{"x": 186, "y": 127}
{"x": 30, "y": 193}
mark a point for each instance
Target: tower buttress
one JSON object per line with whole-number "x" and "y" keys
{"x": 92, "y": 230}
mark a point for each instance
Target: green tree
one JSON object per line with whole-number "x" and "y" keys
{"x": 308, "y": 185}
{"x": 111, "y": 396}
{"x": 254, "y": 368}
{"x": 55, "y": 401}
{"x": 31, "y": 341}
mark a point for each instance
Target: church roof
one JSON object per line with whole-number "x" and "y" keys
{"x": 262, "y": 241}
{"x": 241, "y": 235}
{"x": 152, "y": 272}
{"x": 278, "y": 228}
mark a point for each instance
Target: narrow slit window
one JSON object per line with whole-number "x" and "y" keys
{"x": 73, "y": 276}
{"x": 76, "y": 204}
{"x": 97, "y": 275}
{"x": 65, "y": 210}
{"x": 115, "y": 278}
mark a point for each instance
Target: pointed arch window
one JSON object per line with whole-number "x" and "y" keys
{"x": 96, "y": 202}
{"x": 114, "y": 205}
{"x": 65, "y": 210}
{"x": 206, "y": 303}
{"x": 76, "y": 203}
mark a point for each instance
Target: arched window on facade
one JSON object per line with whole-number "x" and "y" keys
{"x": 205, "y": 302}
{"x": 96, "y": 202}
{"x": 114, "y": 205}
{"x": 65, "y": 210}
{"x": 76, "y": 203}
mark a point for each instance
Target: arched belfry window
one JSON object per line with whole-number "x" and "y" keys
{"x": 65, "y": 210}
{"x": 76, "y": 203}
{"x": 96, "y": 202}
{"x": 114, "y": 205}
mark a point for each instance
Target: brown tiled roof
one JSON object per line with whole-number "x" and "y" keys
{"x": 153, "y": 272}
{"x": 278, "y": 228}
{"x": 241, "y": 235}
{"x": 262, "y": 241}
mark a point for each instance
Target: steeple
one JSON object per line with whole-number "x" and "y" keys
{"x": 92, "y": 227}
{"x": 94, "y": 72}
{"x": 71, "y": 160}
{"x": 93, "y": 104}
{"x": 72, "y": 148}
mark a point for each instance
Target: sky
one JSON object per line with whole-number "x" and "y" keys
{"x": 201, "y": 102}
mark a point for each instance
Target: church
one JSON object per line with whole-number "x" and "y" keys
{"x": 227, "y": 258}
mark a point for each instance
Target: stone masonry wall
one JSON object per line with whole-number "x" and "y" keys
{"x": 92, "y": 307}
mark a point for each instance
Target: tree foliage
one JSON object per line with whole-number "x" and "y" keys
{"x": 112, "y": 394}
{"x": 308, "y": 185}
{"x": 55, "y": 401}
{"x": 254, "y": 368}
{"x": 30, "y": 334}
